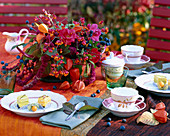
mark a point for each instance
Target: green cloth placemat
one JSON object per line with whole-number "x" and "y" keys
{"x": 57, "y": 118}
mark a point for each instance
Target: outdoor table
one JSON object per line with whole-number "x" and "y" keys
{"x": 12, "y": 124}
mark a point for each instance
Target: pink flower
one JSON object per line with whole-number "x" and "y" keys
{"x": 67, "y": 36}
{"x": 96, "y": 31}
{"x": 82, "y": 20}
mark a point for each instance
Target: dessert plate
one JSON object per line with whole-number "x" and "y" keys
{"x": 9, "y": 102}
{"x": 109, "y": 104}
{"x": 147, "y": 82}
{"x": 135, "y": 65}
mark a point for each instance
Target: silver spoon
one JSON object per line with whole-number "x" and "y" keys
{"x": 77, "y": 107}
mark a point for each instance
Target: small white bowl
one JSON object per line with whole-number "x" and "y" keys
{"x": 108, "y": 104}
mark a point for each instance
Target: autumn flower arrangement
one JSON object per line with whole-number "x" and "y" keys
{"x": 61, "y": 50}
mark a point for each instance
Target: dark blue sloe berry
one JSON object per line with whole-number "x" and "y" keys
{"x": 34, "y": 60}
{"x": 92, "y": 95}
{"x": 122, "y": 128}
{"x": 98, "y": 46}
{"x": 90, "y": 35}
{"x": 108, "y": 124}
{"x": 54, "y": 87}
{"x": 2, "y": 62}
{"x": 18, "y": 57}
{"x": 4, "y": 72}
{"x": 100, "y": 38}
{"x": 105, "y": 39}
{"x": 98, "y": 91}
{"x": 90, "y": 45}
{"x": 48, "y": 90}
{"x": 32, "y": 24}
{"x": 101, "y": 33}
{"x": 21, "y": 61}
{"x": 3, "y": 67}
{"x": 103, "y": 42}
{"x": 108, "y": 119}
{"x": 31, "y": 28}
{"x": 123, "y": 120}
{"x": 41, "y": 89}
{"x": 18, "y": 71}
{"x": 26, "y": 21}
{"x": 91, "y": 31}
{"x": 6, "y": 64}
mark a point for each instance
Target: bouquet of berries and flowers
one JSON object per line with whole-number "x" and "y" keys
{"x": 61, "y": 50}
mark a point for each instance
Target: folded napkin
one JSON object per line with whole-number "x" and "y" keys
{"x": 57, "y": 118}
{"x": 138, "y": 72}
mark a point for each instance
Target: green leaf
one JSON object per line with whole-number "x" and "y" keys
{"x": 156, "y": 66}
{"x": 22, "y": 44}
{"x": 51, "y": 53}
{"x": 37, "y": 53}
{"x": 92, "y": 63}
{"x": 85, "y": 73}
{"x": 88, "y": 68}
{"x": 87, "y": 107}
{"x": 68, "y": 108}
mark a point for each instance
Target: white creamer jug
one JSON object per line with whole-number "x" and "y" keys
{"x": 14, "y": 39}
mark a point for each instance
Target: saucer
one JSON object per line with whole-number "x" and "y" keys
{"x": 135, "y": 65}
{"x": 108, "y": 104}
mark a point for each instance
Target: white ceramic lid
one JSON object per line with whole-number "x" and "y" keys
{"x": 113, "y": 61}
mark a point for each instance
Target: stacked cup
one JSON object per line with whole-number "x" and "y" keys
{"x": 132, "y": 53}
{"x": 114, "y": 71}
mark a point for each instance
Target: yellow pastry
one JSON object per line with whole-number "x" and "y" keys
{"x": 22, "y": 100}
{"x": 44, "y": 100}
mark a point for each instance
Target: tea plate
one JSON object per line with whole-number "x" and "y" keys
{"x": 9, "y": 102}
{"x": 109, "y": 104}
{"x": 147, "y": 82}
{"x": 135, "y": 65}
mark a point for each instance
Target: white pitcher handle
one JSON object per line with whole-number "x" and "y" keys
{"x": 27, "y": 32}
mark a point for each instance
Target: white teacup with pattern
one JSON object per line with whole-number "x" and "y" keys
{"x": 132, "y": 53}
{"x": 125, "y": 98}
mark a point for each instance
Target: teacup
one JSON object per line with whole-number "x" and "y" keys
{"x": 132, "y": 53}
{"x": 125, "y": 98}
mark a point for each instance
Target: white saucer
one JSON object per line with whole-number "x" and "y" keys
{"x": 134, "y": 65}
{"x": 108, "y": 104}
